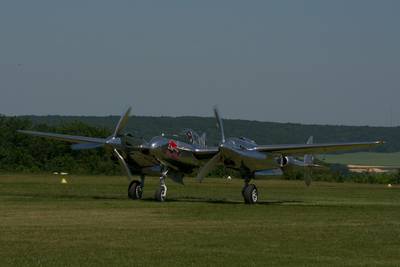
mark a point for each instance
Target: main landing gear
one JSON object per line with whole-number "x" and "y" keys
{"x": 249, "y": 193}
{"x": 135, "y": 189}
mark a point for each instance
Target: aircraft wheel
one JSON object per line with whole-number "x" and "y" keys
{"x": 135, "y": 190}
{"x": 161, "y": 193}
{"x": 250, "y": 194}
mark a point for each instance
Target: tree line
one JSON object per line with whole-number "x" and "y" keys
{"x": 261, "y": 132}
{"x": 21, "y": 153}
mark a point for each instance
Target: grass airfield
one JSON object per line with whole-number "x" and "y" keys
{"x": 90, "y": 222}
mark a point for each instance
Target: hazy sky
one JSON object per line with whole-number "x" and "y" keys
{"x": 335, "y": 62}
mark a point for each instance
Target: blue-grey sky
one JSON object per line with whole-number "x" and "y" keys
{"x": 325, "y": 62}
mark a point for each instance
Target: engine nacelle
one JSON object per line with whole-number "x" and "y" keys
{"x": 284, "y": 161}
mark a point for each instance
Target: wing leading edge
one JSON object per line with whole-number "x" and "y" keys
{"x": 66, "y": 138}
{"x": 303, "y": 149}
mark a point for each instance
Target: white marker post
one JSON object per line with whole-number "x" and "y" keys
{"x": 63, "y": 180}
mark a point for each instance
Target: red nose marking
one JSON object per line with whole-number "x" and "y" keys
{"x": 172, "y": 145}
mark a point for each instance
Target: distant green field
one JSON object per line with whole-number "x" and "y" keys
{"x": 90, "y": 222}
{"x": 364, "y": 158}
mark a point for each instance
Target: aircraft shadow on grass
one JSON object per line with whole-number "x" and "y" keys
{"x": 223, "y": 201}
{"x": 169, "y": 200}
{"x": 183, "y": 199}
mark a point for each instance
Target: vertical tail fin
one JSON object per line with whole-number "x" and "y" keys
{"x": 308, "y": 163}
{"x": 203, "y": 140}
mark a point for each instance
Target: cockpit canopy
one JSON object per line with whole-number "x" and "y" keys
{"x": 247, "y": 140}
{"x": 242, "y": 142}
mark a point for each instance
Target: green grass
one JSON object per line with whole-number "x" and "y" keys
{"x": 90, "y": 222}
{"x": 364, "y": 158}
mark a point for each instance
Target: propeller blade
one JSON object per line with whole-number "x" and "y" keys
{"x": 85, "y": 146}
{"x": 211, "y": 164}
{"x": 208, "y": 167}
{"x": 123, "y": 121}
{"x": 220, "y": 124}
{"x": 123, "y": 164}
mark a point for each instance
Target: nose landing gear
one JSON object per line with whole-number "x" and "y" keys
{"x": 161, "y": 193}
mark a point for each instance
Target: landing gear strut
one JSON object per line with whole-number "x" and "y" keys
{"x": 135, "y": 189}
{"x": 161, "y": 193}
{"x": 249, "y": 193}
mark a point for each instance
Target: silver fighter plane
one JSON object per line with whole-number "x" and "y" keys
{"x": 169, "y": 157}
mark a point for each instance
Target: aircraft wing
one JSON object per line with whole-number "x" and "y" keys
{"x": 67, "y": 138}
{"x": 315, "y": 148}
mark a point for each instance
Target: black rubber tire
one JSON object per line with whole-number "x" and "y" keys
{"x": 160, "y": 194}
{"x": 250, "y": 194}
{"x": 135, "y": 190}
